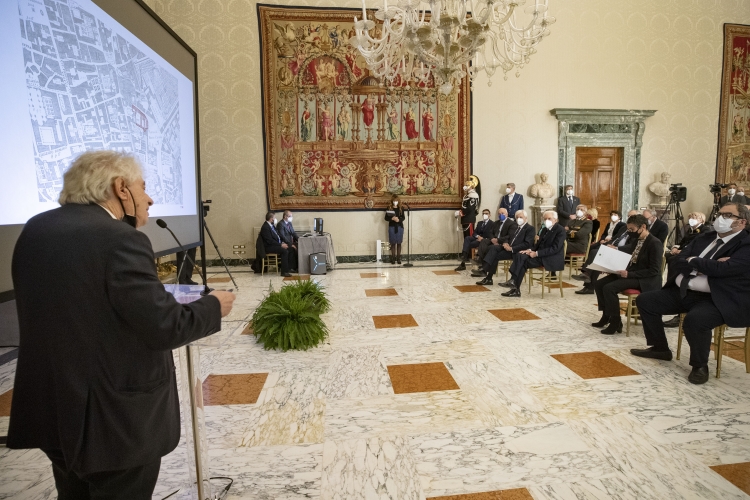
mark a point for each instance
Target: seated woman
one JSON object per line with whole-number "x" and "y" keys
{"x": 642, "y": 273}
{"x": 592, "y": 214}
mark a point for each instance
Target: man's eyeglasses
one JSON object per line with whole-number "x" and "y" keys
{"x": 728, "y": 215}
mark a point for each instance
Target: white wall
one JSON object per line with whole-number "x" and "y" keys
{"x": 637, "y": 54}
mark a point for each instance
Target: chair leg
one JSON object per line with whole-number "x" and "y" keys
{"x": 719, "y": 342}
{"x": 679, "y": 338}
{"x": 529, "y": 277}
{"x": 570, "y": 268}
{"x": 747, "y": 350}
{"x": 561, "y": 283}
{"x": 262, "y": 267}
{"x": 628, "y": 315}
{"x": 544, "y": 281}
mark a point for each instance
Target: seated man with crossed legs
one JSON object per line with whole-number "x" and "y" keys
{"x": 520, "y": 236}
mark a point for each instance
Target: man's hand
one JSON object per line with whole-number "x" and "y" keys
{"x": 723, "y": 259}
{"x": 675, "y": 251}
{"x": 284, "y": 245}
{"x": 507, "y": 247}
{"x": 607, "y": 238}
{"x": 623, "y": 273}
{"x": 572, "y": 216}
{"x": 612, "y": 246}
{"x": 494, "y": 241}
{"x": 226, "y": 299}
{"x": 294, "y": 246}
{"x": 479, "y": 238}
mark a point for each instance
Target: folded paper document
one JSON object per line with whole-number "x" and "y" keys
{"x": 609, "y": 260}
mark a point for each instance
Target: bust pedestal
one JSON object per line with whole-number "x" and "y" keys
{"x": 536, "y": 214}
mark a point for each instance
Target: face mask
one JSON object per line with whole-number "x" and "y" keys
{"x": 466, "y": 188}
{"x": 507, "y": 190}
{"x": 693, "y": 222}
{"x": 130, "y": 220}
{"x": 731, "y": 192}
{"x": 635, "y": 233}
{"x": 520, "y": 221}
{"x": 615, "y": 218}
{"x": 275, "y": 221}
{"x": 741, "y": 193}
{"x": 722, "y": 225}
{"x": 569, "y": 192}
{"x": 290, "y": 218}
{"x": 485, "y": 217}
{"x": 502, "y": 217}
{"x": 579, "y": 213}
{"x": 548, "y": 224}
{"x": 395, "y": 203}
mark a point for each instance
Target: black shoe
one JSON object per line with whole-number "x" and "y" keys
{"x": 478, "y": 273}
{"x": 513, "y": 292}
{"x": 699, "y": 375}
{"x": 461, "y": 266}
{"x": 585, "y": 291}
{"x": 286, "y": 275}
{"x": 398, "y": 262}
{"x": 507, "y": 284}
{"x": 485, "y": 281}
{"x": 581, "y": 277}
{"x": 614, "y": 326}
{"x": 652, "y": 353}
{"x": 604, "y": 320}
{"x": 672, "y": 323}
{"x": 189, "y": 282}
{"x": 393, "y": 262}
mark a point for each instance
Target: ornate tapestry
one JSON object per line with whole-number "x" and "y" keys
{"x": 733, "y": 159}
{"x": 335, "y": 138}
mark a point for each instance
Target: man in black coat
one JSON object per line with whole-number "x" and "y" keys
{"x": 566, "y": 205}
{"x": 272, "y": 243}
{"x": 519, "y": 237}
{"x": 500, "y": 229}
{"x": 95, "y": 384}
{"x": 710, "y": 281}
{"x": 656, "y": 226}
{"x": 547, "y": 252}
{"x": 482, "y": 231}
{"x": 289, "y": 236}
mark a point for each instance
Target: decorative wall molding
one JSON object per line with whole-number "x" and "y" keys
{"x": 597, "y": 128}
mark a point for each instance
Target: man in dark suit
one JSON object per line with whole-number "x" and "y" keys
{"x": 710, "y": 281}
{"x": 500, "y": 229}
{"x": 519, "y": 237}
{"x": 511, "y": 201}
{"x": 547, "y": 252}
{"x": 273, "y": 244}
{"x": 95, "y": 384}
{"x": 289, "y": 236}
{"x": 482, "y": 231}
{"x": 733, "y": 196}
{"x": 566, "y": 205}
{"x": 656, "y": 226}
{"x": 578, "y": 231}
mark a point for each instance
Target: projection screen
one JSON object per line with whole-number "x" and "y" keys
{"x": 104, "y": 74}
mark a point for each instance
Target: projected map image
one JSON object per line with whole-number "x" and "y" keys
{"x": 89, "y": 88}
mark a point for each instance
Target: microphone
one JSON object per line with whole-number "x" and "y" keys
{"x": 163, "y": 225}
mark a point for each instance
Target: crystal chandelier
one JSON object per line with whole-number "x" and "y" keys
{"x": 449, "y": 39}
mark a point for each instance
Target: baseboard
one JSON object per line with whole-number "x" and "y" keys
{"x": 341, "y": 259}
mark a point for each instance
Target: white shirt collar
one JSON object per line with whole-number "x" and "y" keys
{"x": 110, "y": 213}
{"x": 726, "y": 239}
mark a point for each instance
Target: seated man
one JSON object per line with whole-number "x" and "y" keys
{"x": 642, "y": 273}
{"x": 578, "y": 231}
{"x": 519, "y": 237}
{"x": 482, "y": 231}
{"x": 289, "y": 236}
{"x": 547, "y": 252}
{"x": 273, "y": 244}
{"x": 618, "y": 240}
{"x": 503, "y": 226}
{"x": 656, "y": 226}
{"x": 710, "y": 281}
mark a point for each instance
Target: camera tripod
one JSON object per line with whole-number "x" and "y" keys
{"x": 675, "y": 235}
{"x": 216, "y": 247}
{"x": 716, "y": 207}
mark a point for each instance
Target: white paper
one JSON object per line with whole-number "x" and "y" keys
{"x": 609, "y": 260}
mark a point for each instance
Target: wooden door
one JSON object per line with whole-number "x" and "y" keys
{"x": 598, "y": 179}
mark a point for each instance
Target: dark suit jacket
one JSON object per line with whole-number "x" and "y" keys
{"x": 565, "y": 209}
{"x": 620, "y": 227}
{"x": 512, "y": 207}
{"x": 735, "y": 199}
{"x": 287, "y": 233}
{"x": 483, "y": 228}
{"x": 270, "y": 237}
{"x": 582, "y": 228}
{"x": 647, "y": 267}
{"x": 550, "y": 248}
{"x": 660, "y": 229}
{"x": 729, "y": 280}
{"x": 521, "y": 241}
{"x": 95, "y": 377}
{"x": 501, "y": 231}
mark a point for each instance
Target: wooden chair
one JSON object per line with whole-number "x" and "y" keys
{"x": 721, "y": 342}
{"x": 546, "y": 279}
{"x": 506, "y": 268}
{"x": 270, "y": 260}
{"x": 577, "y": 260}
{"x": 631, "y": 309}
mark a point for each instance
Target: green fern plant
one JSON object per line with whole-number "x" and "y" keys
{"x": 290, "y": 318}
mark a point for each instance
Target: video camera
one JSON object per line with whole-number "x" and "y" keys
{"x": 678, "y": 192}
{"x": 206, "y": 207}
{"x": 716, "y": 188}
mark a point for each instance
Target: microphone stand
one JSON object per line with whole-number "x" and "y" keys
{"x": 408, "y": 237}
{"x": 182, "y": 249}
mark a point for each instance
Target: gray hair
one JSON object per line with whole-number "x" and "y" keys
{"x": 551, "y": 212}
{"x": 523, "y": 212}
{"x": 742, "y": 211}
{"x": 89, "y": 179}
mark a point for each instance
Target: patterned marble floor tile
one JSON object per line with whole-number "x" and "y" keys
{"x": 376, "y": 467}
{"x": 26, "y": 475}
{"x": 522, "y": 360}
{"x": 738, "y": 474}
{"x": 611, "y": 488}
{"x": 467, "y": 461}
{"x": 420, "y": 377}
{"x": 356, "y": 372}
{"x": 4, "y": 422}
{"x": 7, "y": 375}
{"x": 173, "y": 473}
{"x": 514, "y": 494}
{"x": 417, "y": 350}
{"x": 5, "y": 399}
{"x": 236, "y": 389}
{"x": 596, "y": 364}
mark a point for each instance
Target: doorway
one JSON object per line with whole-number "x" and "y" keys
{"x": 598, "y": 179}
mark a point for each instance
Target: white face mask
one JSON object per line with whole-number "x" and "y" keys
{"x": 466, "y": 188}
{"x": 615, "y": 218}
{"x": 548, "y": 224}
{"x": 693, "y": 222}
{"x": 395, "y": 203}
{"x": 520, "y": 221}
{"x": 485, "y": 217}
{"x": 289, "y": 219}
{"x": 722, "y": 225}
{"x": 275, "y": 221}
{"x": 731, "y": 192}
{"x": 741, "y": 193}
{"x": 579, "y": 213}
{"x": 507, "y": 190}
{"x": 569, "y": 192}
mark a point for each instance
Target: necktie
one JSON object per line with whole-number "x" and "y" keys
{"x": 277, "y": 234}
{"x": 515, "y": 235}
{"x": 687, "y": 276}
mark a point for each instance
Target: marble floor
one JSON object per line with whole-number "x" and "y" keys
{"x": 432, "y": 387}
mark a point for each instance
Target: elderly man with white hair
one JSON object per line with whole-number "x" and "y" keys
{"x": 95, "y": 385}
{"x": 520, "y": 237}
{"x": 547, "y": 252}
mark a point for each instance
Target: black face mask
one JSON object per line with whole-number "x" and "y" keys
{"x": 637, "y": 232}
{"x": 130, "y": 220}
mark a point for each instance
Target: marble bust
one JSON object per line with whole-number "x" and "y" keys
{"x": 661, "y": 189}
{"x": 542, "y": 191}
